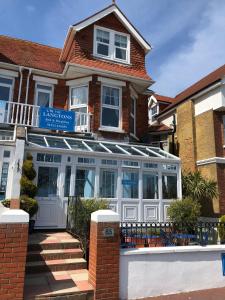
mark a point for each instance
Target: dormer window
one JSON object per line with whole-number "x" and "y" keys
{"x": 111, "y": 45}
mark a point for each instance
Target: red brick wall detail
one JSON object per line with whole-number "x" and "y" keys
{"x": 104, "y": 262}
{"x": 13, "y": 251}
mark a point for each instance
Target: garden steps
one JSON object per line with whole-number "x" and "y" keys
{"x": 55, "y": 268}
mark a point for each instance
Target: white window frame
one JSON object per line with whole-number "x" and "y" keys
{"x": 111, "y": 128}
{"x": 112, "y": 47}
{"x": 157, "y": 110}
{"x": 10, "y": 86}
{"x": 51, "y": 93}
{"x": 70, "y": 96}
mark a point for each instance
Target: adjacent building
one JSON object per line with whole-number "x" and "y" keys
{"x": 195, "y": 120}
{"x": 82, "y": 112}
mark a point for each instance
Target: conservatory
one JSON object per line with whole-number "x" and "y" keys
{"x": 139, "y": 181}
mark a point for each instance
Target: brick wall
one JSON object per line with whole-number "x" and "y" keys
{"x": 104, "y": 261}
{"x": 13, "y": 249}
{"x": 186, "y": 135}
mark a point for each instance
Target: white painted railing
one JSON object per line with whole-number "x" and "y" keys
{"x": 28, "y": 115}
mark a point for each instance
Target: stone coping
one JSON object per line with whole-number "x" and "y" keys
{"x": 8, "y": 215}
{"x": 176, "y": 249}
{"x": 105, "y": 216}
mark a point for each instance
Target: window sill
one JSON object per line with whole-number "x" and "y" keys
{"x": 116, "y": 130}
{"x": 106, "y": 59}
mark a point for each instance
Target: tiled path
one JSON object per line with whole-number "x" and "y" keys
{"x": 56, "y": 283}
{"x": 212, "y": 294}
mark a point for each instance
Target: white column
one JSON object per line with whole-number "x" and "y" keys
{"x": 160, "y": 195}
{"x": 17, "y": 169}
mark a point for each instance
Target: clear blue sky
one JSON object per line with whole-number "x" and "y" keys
{"x": 188, "y": 36}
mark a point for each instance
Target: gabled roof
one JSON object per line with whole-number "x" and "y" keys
{"x": 197, "y": 87}
{"x": 30, "y": 54}
{"x": 162, "y": 98}
{"x": 113, "y": 8}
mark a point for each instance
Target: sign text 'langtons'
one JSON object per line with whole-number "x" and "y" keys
{"x": 56, "y": 119}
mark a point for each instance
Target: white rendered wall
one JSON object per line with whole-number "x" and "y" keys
{"x": 161, "y": 271}
{"x": 168, "y": 120}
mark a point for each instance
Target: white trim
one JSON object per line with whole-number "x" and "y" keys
{"x": 51, "y": 93}
{"x": 45, "y": 79}
{"x": 9, "y": 73}
{"x": 212, "y": 160}
{"x": 121, "y": 17}
{"x": 111, "y": 45}
{"x": 10, "y": 86}
{"x": 79, "y": 81}
{"x": 117, "y": 83}
{"x": 111, "y": 129}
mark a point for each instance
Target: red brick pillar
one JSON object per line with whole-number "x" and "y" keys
{"x": 13, "y": 251}
{"x": 104, "y": 254}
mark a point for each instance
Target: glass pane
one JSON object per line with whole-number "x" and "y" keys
{"x": 77, "y": 145}
{"x": 121, "y": 54}
{"x": 79, "y": 95}
{"x": 102, "y": 36}
{"x": 103, "y": 49}
{"x": 95, "y": 147}
{"x": 6, "y": 81}
{"x": 130, "y": 184}
{"x": 132, "y": 124}
{"x": 43, "y": 99}
{"x": 85, "y": 181}
{"x": 4, "y": 93}
{"x": 39, "y": 140}
{"x": 44, "y": 87}
{"x": 56, "y": 143}
{"x": 108, "y": 180}
{"x": 130, "y": 150}
{"x": 146, "y": 152}
{"x": 113, "y": 148}
{"x": 110, "y": 117}
{"x": 47, "y": 181}
{"x": 110, "y": 96}
{"x": 67, "y": 181}
{"x": 121, "y": 41}
{"x": 6, "y": 135}
{"x": 4, "y": 178}
{"x": 150, "y": 186}
{"x": 81, "y": 115}
{"x": 169, "y": 185}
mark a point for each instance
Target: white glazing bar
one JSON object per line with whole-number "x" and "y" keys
{"x": 67, "y": 144}
{"x": 104, "y": 147}
{"x": 153, "y": 152}
{"x": 139, "y": 151}
{"x": 46, "y": 142}
{"x": 123, "y": 150}
{"x": 88, "y": 147}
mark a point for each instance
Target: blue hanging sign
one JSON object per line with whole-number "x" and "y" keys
{"x": 129, "y": 182}
{"x": 56, "y": 119}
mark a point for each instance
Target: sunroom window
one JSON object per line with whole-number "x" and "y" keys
{"x": 44, "y": 95}
{"x": 112, "y": 45}
{"x": 111, "y": 106}
{"x": 108, "y": 183}
{"x": 85, "y": 182}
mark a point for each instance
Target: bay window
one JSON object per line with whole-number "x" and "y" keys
{"x": 6, "y": 87}
{"x": 44, "y": 95}
{"x": 111, "y": 99}
{"x": 85, "y": 182}
{"x": 111, "y": 44}
{"x": 79, "y": 103}
{"x": 108, "y": 183}
{"x": 130, "y": 184}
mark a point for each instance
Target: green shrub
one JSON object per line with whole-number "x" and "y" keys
{"x": 29, "y": 205}
{"x": 221, "y": 229}
{"x": 27, "y": 187}
{"x": 28, "y": 169}
{"x": 184, "y": 211}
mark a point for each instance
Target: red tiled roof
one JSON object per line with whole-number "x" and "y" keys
{"x": 30, "y": 54}
{"x": 164, "y": 98}
{"x": 112, "y": 67}
{"x": 200, "y": 85}
{"x": 159, "y": 128}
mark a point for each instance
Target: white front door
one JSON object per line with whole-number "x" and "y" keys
{"x": 49, "y": 200}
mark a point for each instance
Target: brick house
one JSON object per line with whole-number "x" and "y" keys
{"x": 196, "y": 121}
{"x": 99, "y": 79}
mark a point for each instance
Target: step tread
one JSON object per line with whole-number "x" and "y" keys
{"x": 55, "y": 262}
{"x": 54, "y": 251}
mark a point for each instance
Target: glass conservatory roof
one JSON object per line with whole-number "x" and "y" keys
{"x": 67, "y": 143}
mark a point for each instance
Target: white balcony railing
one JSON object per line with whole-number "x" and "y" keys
{"x": 27, "y": 115}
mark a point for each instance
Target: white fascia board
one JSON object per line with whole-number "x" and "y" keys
{"x": 79, "y": 81}
{"x": 211, "y": 160}
{"x": 45, "y": 79}
{"x": 121, "y": 17}
{"x": 111, "y": 81}
{"x": 9, "y": 73}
